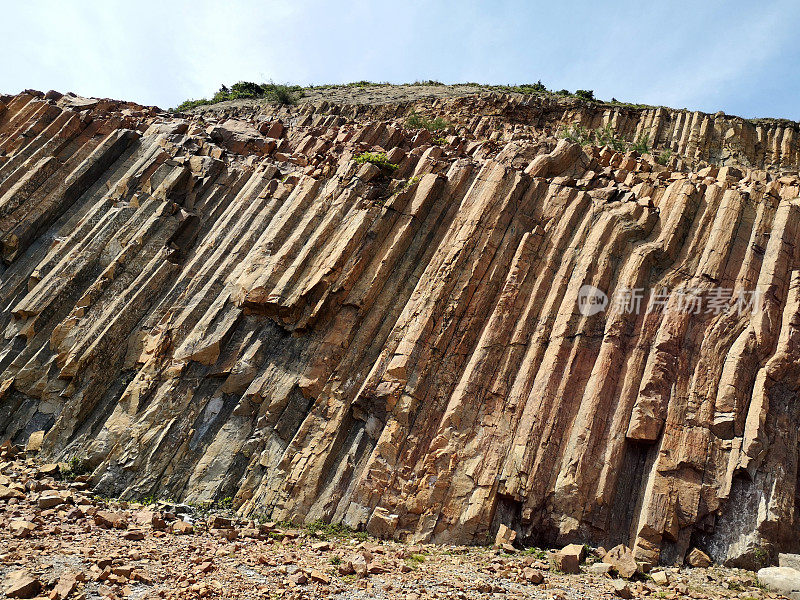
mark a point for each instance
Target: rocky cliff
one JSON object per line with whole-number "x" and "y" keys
{"x": 228, "y": 304}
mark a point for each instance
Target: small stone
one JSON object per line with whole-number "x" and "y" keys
{"x": 49, "y": 500}
{"x": 133, "y": 535}
{"x": 7, "y": 493}
{"x": 219, "y": 522}
{"x": 48, "y": 470}
{"x": 346, "y": 568}
{"x": 182, "y": 528}
{"x": 320, "y": 577}
{"x": 660, "y": 577}
{"x": 21, "y": 528}
{"x": 321, "y": 546}
{"x": 67, "y": 584}
{"x": 532, "y": 575}
{"x": 225, "y": 534}
{"x": 599, "y": 568}
{"x": 621, "y": 589}
{"x": 298, "y": 578}
{"x": 205, "y": 567}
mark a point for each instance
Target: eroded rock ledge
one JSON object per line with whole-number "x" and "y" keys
{"x": 228, "y": 305}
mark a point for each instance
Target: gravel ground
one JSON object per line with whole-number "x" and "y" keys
{"x": 63, "y": 542}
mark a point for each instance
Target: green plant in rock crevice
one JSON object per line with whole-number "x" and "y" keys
{"x": 378, "y": 159}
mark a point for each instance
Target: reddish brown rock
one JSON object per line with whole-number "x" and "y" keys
{"x": 109, "y": 519}
{"x": 622, "y": 560}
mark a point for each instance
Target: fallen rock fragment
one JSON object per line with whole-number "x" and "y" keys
{"x": 181, "y": 527}
{"x": 109, "y": 520}
{"x": 660, "y": 577}
{"x": 505, "y": 535}
{"x": 20, "y": 584}
{"x": 621, "y": 589}
{"x": 783, "y": 580}
{"x": 569, "y": 558}
{"x": 698, "y": 558}
{"x": 622, "y": 561}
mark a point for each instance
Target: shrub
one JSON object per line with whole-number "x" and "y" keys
{"x": 585, "y": 94}
{"x": 577, "y": 134}
{"x": 190, "y": 104}
{"x": 280, "y": 93}
{"x": 376, "y": 158}
{"x": 439, "y": 141}
{"x": 606, "y": 137}
{"x": 664, "y": 156}
{"x": 642, "y": 144}
{"x": 245, "y": 89}
{"x": 416, "y": 121}
{"x": 224, "y": 504}
{"x": 76, "y": 467}
{"x": 275, "y": 92}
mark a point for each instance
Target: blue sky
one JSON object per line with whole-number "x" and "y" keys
{"x": 738, "y": 57}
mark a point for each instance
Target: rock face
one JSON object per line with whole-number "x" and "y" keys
{"x": 197, "y": 310}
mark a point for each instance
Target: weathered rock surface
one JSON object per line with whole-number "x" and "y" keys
{"x": 197, "y": 310}
{"x": 784, "y": 580}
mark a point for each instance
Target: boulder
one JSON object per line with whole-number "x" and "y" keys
{"x": 698, "y": 558}
{"x": 569, "y": 558}
{"x": 783, "y": 580}
{"x": 34, "y": 442}
{"x": 110, "y": 520}
{"x": 622, "y": 560}
{"x": 789, "y": 560}
{"x": 505, "y": 535}
{"x": 20, "y": 584}
{"x": 621, "y": 588}
{"x": 660, "y": 577}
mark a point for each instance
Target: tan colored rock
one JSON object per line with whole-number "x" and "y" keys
{"x": 66, "y": 585}
{"x": 34, "y": 443}
{"x": 698, "y": 558}
{"x": 21, "y": 528}
{"x": 109, "y": 519}
{"x": 621, "y": 589}
{"x": 181, "y": 527}
{"x": 49, "y": 500}
{"x": 505, "y": 535}
{"x": 568, "y": 559}
{"x": 408, "y": 355}
{"x": 20, "y": 584}
{"x": 660, "y": 577}
{"x": 531, "y": 575}
{"x": 621, "y": 558}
